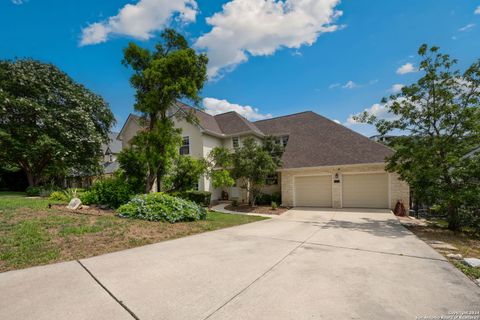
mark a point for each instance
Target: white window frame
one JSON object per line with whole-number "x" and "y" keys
{"x": 237, "y": 139}
{"x": 185, "y": 146}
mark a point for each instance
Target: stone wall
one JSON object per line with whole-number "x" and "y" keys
{"x": 399, "y": 190}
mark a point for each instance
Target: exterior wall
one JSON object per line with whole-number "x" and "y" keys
{"x": 209, "y": 143}
{"x": 130, "y": 130}
{"x": 398, "y": 190}
{"x": 195, "y": 136}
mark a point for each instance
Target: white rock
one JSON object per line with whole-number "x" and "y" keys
{"x": 74, "y": 204}
{"x": 455, "y": 256}
{"x": 472, "y": 262}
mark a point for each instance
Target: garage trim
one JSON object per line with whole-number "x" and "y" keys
{"x": 309, "y": 175}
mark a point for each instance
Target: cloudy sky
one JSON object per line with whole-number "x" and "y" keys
{"x": 267, "y": 57}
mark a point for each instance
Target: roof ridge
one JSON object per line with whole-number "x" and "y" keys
{"x": 286, "y": 115}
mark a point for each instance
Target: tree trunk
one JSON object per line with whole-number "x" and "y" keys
{"x": 453, "y": 218}
{"x": 150, "y": 181}
{"x": 32, "y": 178}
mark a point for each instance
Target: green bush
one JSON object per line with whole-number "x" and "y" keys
{"x": 274, "y": 205}
{"x": 33, "y": 191}
{"x": 267, "y": 199}
{"x": 199, "y": 197}
{"x": 162, "y": 207}
{"x": 88, "y": 198}
{"x": 58, "y": 196}
{"x": 112, "y": 192}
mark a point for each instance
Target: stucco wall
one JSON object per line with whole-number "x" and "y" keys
{"x": 398, "y": 189}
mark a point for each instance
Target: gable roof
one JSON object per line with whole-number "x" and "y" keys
{"x": 316, "y": 141}
{"x": 114, "y": 145}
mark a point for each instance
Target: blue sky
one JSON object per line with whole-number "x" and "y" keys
{"x": 278, "y": 57}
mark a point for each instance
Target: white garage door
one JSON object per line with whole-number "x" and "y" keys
{"x": 313, "y": 191}
{"x": 365, "y": 190}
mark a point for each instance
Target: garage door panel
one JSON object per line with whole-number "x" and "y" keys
{"x": 313, "y": 191}
{"x": 365, "y": 190}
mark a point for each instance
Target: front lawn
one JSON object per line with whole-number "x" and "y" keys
{"x": 32, "y": 234}
{"x": 467, "y": 243}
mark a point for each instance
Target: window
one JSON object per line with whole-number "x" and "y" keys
{"x": 235, "y": 142}
{"x": 272, "y": 179}
{"x": 284, "y": 141}
{"x": 110, "y": 157}
{"x": 195, "y": 186}
{"x": 185, "y": 148}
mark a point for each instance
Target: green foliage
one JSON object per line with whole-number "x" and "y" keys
{"x": 33, "y": 191}
{"x": 112, "y": 192}
{"x": 441, "y": 114}
{"x": 50, "y": 124}
{"x": 274, "y": 205}
{"x": 172, "y": 72}
{"x": 471, "y": 272}
{"x": 235, "y": 202}
{"x": 251, "y": 164}
{"x": 162, "y": 207}
{"x": 133, "y": 167}
{"x": 267, "y": 199}
{"x": 58, "y": 196}
{"x": 221, "y": 178}
{"x": 199, "y": 197}
{"x": 186, "y": 173}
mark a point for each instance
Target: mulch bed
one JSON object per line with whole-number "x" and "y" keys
{"x": 257, "y": 209}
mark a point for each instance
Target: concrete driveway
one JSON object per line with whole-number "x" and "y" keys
{"x": 306, "y": 264}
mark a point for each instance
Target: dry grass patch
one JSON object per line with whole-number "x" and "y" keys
{"x": 33, "y": 234}
{"x": 257, "y": 209}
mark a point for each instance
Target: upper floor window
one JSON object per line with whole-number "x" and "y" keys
{"x": 284, "y": 141}
{"x": 185, "y": 148}
{"x": 235, "y": 142}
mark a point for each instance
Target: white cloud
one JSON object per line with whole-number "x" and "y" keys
{"x": 215, "y": 106}
{"x": 140, "y": 20}
{"x": 261, "y": 27}
{"x": 467, "y": 27}
{"x": 350, "y": 85}
{"x": 19, "y": 2}
{"x": 406, "y": 68}
{"x": 378, "y": 110}
{"x": 396, "y": 88}
{"x": 334, "y": 85}
{"x": 477, "y": 11}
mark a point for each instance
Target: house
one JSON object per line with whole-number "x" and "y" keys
{"x": 324, "y": 163}
{"x": 110, "y": 152}
{"x": 108, "y": 163}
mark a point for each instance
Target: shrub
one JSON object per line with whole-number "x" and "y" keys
{"x": 58, "y": 196}
{"x": 235, "y": 203}
{"x": 267, "y": 199}
{"x": 33, "y": 191}
{"x": 88, "y": 198}
{"x": 274, "y": 205}
{"x": 199, "y": 197}
{"x": 112, "y": 192}
{"x": 162, "y": 207}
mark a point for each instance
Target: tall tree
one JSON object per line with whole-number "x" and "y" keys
{"x": 441, "y": 115}
{"x": 48, "y": 122}
{"x": 171, "y": 72}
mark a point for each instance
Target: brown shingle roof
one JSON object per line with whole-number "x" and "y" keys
{"x": 317, "y": 141}
{"x": 233, "y": 123}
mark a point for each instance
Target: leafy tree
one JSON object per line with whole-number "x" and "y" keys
{"x": 171, "y": 72}
{"x": 251, "y": 164}
{"x": 49, "y": 123}
{"x": 442, "y": 117}
{"x": 186, "y": 173}
{"x": 133, "y": 168}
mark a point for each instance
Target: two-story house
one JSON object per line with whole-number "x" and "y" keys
{"x": 324, "y": 163}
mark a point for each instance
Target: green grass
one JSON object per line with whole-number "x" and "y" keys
{"x": 471, "y": 272}
{"x": 31, "y": 234}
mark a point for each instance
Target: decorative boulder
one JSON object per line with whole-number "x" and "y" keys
{"x": 74, "y": 204}
{"x": 472, "y": 262}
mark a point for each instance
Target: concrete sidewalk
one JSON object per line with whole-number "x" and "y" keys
{"x": 305, "y": 264}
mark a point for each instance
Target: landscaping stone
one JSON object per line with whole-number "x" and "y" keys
{"x": 472, "y": 262}
{"x": 455, "y": 256}
{"x": 442, "y": 245}
{"x": 74, "y": 204}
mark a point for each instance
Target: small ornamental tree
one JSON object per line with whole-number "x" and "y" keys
{"x": 251, "y": 164}
{"x": 171, "y": 72}
{"x": 186, "y": 173}
{"x": 48, "y": 122}
{"x": 441, "y": 115}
